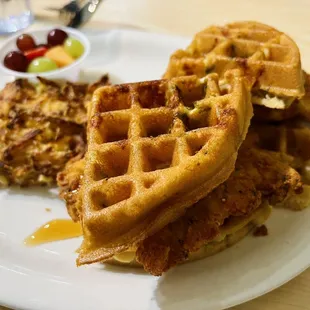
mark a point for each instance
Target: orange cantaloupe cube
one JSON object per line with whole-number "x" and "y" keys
{"x": 60, "y": 56}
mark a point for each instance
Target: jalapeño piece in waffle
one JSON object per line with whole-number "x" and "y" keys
{"x": 267, "y": 54}
{"x": 154, "y": 149}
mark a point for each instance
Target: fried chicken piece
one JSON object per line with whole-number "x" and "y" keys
{"x": 304, "y": 104}
{"x": 42, "y": 126}
{"x": 69, "y": 181}
{"x": 297, "y": 201}
{"x": 288, "y": 140}
{"x": 259, "y": 177}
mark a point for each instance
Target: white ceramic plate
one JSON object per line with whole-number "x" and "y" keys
{"x": 46, "y": 277}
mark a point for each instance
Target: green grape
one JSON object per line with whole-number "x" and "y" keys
{"x": 42, "y": 64}
{"x": 74, "y": 47}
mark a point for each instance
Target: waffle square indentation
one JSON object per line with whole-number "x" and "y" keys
{"x": 111, "y": 127}
{"x": 112, "y": 194}
{"x": 156, "y": 124}
{"x": 113, "y": 99}
{"x": 190, "y": 94}
{"x": 111, "y": 163}
{"x": 152, "y": 96}
{"x": 197, "y": 143}
{"x": 158, "y": 155}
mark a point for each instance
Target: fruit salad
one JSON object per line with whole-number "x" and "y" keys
{"x": 59, "y": 51}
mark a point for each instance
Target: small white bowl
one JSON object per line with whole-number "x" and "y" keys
{"x": 70, "y": 73}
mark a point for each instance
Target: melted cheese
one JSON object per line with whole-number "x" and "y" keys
{"x": 3, "y": 181}
{"x": 273, "y": 102}
{"x": 125, "y": 257}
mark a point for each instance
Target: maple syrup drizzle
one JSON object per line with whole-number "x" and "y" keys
{"x": 55, "y": 230}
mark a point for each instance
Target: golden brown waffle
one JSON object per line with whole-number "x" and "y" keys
{"x": 261, "y": 51}
{"x": 299, "y": 107}
{"x": 155, "y": 148}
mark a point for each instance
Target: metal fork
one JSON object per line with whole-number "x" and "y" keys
{"x": 76, "y": 13}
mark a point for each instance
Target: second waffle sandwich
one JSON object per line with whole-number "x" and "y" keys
{"x": 259, "y": 50}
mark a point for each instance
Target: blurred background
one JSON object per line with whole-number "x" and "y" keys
{"x": 186, "y": 17}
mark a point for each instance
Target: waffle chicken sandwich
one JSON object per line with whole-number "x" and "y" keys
{"x": 173, "y": 170}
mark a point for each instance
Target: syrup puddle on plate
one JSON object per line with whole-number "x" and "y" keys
{"x": 55, "y": 230}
